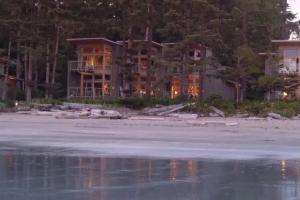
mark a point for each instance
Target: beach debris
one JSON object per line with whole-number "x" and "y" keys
{"x": 183, "y": 115}
{"x": 101, "y": 113}
{"x": 147, "y": 118}
{"x": 275, "y": 116}
{"x": 218, "y": 111}
{"x": 216, "y": 123}
{"x": 164, "y": 110}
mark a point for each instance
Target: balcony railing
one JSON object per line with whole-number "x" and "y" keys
{"x": 83, "y": 66}
{"x": 87, "y": 92}
{"x": 285, "y": 70}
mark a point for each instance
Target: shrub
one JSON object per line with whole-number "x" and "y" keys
{"x": 47, "y": 101}
{"x": 296, "y": 106}
{"x": 140, "y": 103}
{"x": 134, "y": 103}
{"x": 6, "y": 106}
{"x": 254, "y": 107}
{"x": 287, "y": 112}
{"x": 218, "y": 102}
{"x": 3, "y": 106}
{"x": 286, "y": 108}
{"x": 199, "y": 107}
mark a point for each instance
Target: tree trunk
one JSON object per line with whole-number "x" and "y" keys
{"x": 238, "y": 93}
{"x": 245, "y": 29}
{"x": 183, "y": 78}
{"x": 36, "y": 78}
{"x": 47, "y": 81}
{"x": 9, "y": 48}
{"x": 149, "y": 50}
{"x": 56, "y": 48}
{"x": 18, "y": 61}
{"x": 269, "y": 96}
{"x": 29, "y": 77}
{"x": 201, "y": 81}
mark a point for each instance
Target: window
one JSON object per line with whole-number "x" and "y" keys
{"x": 87, "y": 50}
{"x": 192, "y": 53}
{"x": 107, "y": 77}
{"x": 98, "y": 60}
{"x": 290, "y": 53}
{"x": 98, "y": 50}
{"x": 144, "y": 51}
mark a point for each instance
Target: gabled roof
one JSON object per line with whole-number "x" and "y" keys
{"x": 91, "y": 40}
{"x": 139, "y": 41}
{"x": 286, "y": 42}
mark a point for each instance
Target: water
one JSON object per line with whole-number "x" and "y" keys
{"x": 44, "y": 177}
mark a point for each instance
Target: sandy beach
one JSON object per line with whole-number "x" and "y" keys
{"x": 212, "y": 138}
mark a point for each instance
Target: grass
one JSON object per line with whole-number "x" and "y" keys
{"x": 255, "y": 108}
{"x": 133, "y": 103}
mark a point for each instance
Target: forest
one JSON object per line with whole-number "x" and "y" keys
{"x": 33, "y": 34}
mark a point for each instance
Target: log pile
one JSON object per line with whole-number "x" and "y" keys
{"x": 75, "y": 111}
{"x": 164, "y": 110}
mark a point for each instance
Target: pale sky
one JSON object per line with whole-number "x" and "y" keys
{"x": 295, "y": 7}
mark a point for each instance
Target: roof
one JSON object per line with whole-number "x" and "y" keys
{"x": 138, "y": 41}
{"x": 91, "y": 40}
{"x": 267, "y": 54}
{"x": 286, "y": 42}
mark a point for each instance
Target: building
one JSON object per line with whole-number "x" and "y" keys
{"x": 94, "y": 74}
{"x": 186, "y": 79}
{"x": 134, "y": 79}
{"x": 284, "y": 63}
{"x": 99, "y": 70}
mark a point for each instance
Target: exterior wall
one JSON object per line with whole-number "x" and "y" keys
{"x": 2, "y": 90}
{"x": 7, "y": 84}
{"x": 7, "y": 89}
{"x": 215, "y": 86}
{"x": 116, "y": 72}
{"x": 1, "y": 69}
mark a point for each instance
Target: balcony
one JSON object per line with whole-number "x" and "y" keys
{"x": 288, "y": 70}
{"x": 84, "y": 66}
{"x": 86, "y": 92}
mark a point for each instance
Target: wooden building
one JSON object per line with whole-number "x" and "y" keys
{"x": 284, "y": 62}
{"x": 95, "y": 72}
{"x": 185, "y": 79}
{"x": 136, "y": 83}
{"x": 99, "y": 71}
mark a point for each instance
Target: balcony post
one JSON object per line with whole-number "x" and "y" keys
{"x": 81, "y": 84}
{"x": 68, "y": 79}
{"x": 93, "y": 85}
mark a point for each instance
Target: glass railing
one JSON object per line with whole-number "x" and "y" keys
{"x": 87, "y": 92}
{"x": 84, "y": 66}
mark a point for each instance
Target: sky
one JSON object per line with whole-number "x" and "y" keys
{"x": 295, "y": 7}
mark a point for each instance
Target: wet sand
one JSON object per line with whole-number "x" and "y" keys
{"x": 154, "y": 138}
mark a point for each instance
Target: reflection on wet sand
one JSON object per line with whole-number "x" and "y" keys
{"x": 37, "y": 177}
